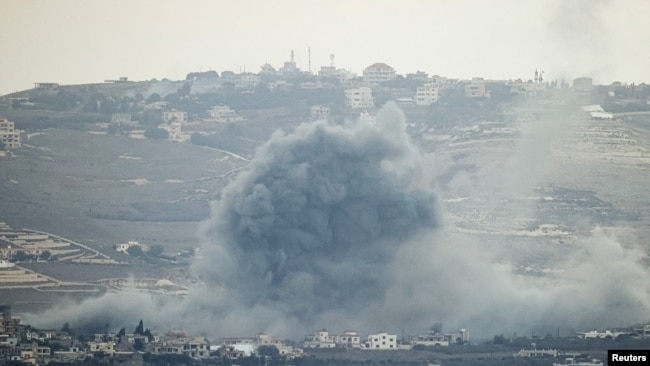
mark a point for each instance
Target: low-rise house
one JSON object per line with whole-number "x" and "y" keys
{"x": 72, "y": 354}
{"x": 431, "y": 339}
{"x": 381, "y": 341}
{"x": 320, "y": 339}
{"x": 365, "y": 117}
{"x": 124, "y": 247}
{"x": 107, "y": 348}
{"x": 536, "y": 353}
{"x": 33, "y": 354}
{"x": 597, "y": 334}
{"x": 349, "y": 339}
{"x": 223, "y": 113}
{"x": 234, "y": 352}
{"x": 318, "y": 112}
{"x": 174, "y": 116}
{"x": 197, "y": 347}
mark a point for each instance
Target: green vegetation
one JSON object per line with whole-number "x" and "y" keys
{"x": 156, "y": 133}
{"x": 182, "y": 211}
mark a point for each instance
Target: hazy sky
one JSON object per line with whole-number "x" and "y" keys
{"x": 78, "y": 41}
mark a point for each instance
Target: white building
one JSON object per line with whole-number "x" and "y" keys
{"x": 174, "y": 115}
{"x": 124, "y": 247}
{"x": 223, "y": 113}
{"x": 426, "y": 94}
{"x": 246, "y": 80}
{"x": 175, "y": 130}
{"x": 528, "y": 88}
{"x": 318, "y": 112}
{"x": 320, "y": 339}
{"x": 377, "y": 73}
{"x": 597, "y": 334}
{"x": 475, "y": 88}
{"x": 365, "y": 117}
{"x": 381, "y": 341}
{"x": 359, "y": 98}
{"x": 8, "y": 134}
{"x": 323, "y": 339}
{"x": 349, "y": 339}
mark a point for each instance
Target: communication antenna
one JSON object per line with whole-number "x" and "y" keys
{"x": 309, "y": 59}
{"x": 331, "y": 59}
{"x": 292, "y": 54}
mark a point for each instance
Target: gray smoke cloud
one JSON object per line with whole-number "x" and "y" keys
{"x": 312, "y": 225}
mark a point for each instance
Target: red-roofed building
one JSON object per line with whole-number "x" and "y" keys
{"x": 377, "y": 73}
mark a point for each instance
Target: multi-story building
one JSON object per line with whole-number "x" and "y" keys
{"x": 33, "y": 354}
{"x": 246, "y": 80}
{"x": 320, "y": 339}
{"x": 8, "y": 325}
{"x": 174, "y": 116}
{"x": 377, "y": 73}
{"x": 426, "y": 94}
{"x": 8, "y": 134}
{"x": 318, "y": 112}
{"x": 475, "y": 88}
{"x": 359, "y": 98}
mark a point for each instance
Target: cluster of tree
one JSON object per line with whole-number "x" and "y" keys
{"x": 156, "y": 133}
{"x": 183, "y": 211}
{"x": 155, "y": 250}
{"x": 21, "y": 256}
{"x": 35, "y": 120}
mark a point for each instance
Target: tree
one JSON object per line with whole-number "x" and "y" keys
{"x": 149, "y": 335}
{"x": 46, "y": 255}
{"x": 21, "y": 256}
{"x": 66, "y": 329}
{"x": 268, "y": 351}
{"x": 140, "y": 328}
{"x": 151, "y": 117}
{"x": 153, "y": 98}
{"x": 156, "y": 250}
{"x": 156, "y": 133}
{"x": 135, "y": 251}
{"x": 436, "y": 327}
{"x": 499, "y": 339}
{"x": 138, "y": 345}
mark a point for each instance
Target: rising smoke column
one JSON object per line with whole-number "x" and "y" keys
{"x": 312, "y": 225}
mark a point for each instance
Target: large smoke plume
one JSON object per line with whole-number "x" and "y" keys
{"x": 311, "y": 227}
{"x": 337, "y": 226}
